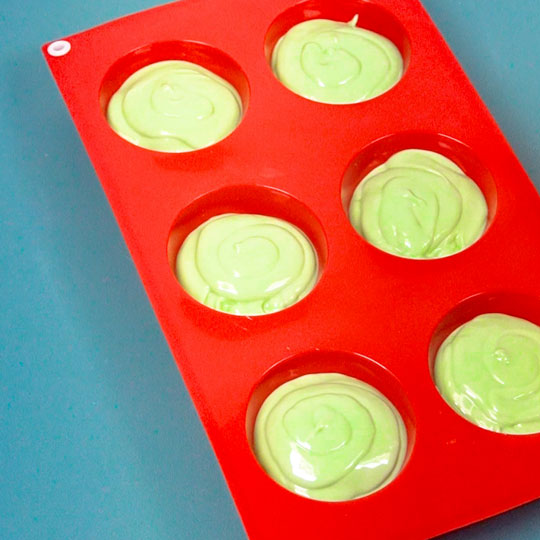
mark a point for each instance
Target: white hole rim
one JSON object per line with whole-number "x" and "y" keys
{"x": 59, "y": 48}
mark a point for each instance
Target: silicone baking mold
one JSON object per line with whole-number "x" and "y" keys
{"x": 371, "y": 315}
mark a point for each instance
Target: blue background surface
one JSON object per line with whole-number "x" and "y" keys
{"x": 98, "y": 437}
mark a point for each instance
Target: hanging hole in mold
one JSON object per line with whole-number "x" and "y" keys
{"x": 59, "y": 48}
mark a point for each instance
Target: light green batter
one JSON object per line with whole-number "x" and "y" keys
{"x": 418, "y": 204}
{"x": 335, "y": 62}
{"x": 330, "y": 437}
{"x": 247, "y": 264}
{"x": 174, "y": 106}
{"x": 488, "y": 370}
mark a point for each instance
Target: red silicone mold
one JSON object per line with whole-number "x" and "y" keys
{"x": 371, "y": 315}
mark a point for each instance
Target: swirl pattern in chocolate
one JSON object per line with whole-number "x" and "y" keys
{"x": 247, "y": 264}
{"x": 335, "y": 62}
{"x": 488, "y": 370}
{"x": 418, "y": 205}
{"x": 174, "y": 106}
{"x": 330, "y": 437}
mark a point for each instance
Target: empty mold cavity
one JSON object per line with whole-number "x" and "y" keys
{"x": 186, "y": 110}
{"x": 322, "y": 53}
{"x": 379, "y": 151}
{"x": 255, "y": 250}
{"x": 335, "y": 424}
{"x": 506, "y": 365}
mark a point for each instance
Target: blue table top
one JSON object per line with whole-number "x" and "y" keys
{"x": 98, "y": 436}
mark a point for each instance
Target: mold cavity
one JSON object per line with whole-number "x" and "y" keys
{"x": 421, "y": 215}
{"x": 324, "y": 407}
{"x": 247, "y": 250}
{"x": 514, "y": 304}
{"x": 484, "y": 358}
{"x": 335, "y": 62}
{"x": 59, "y": 48}
{"x": 174, "y": 96}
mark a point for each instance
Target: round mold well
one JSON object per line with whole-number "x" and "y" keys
{"x": 370, "y": 17}
{"x": 332, "y": 361}
{"x": 509, "y": 303}
{"x": 201, "y": 54}
{"x": 379, "y": 151}
{"x": 248, "y": 199}
{"x": 515, "y": 304}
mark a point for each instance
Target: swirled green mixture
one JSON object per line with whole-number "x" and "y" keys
{"x": 335, "y": 62}
{"x": 418, "y": 205}
{"x": 488, "y": 370}
{"x": 174, "y": 106}
{"x": 247, "y": 264}
{"x": 330, "y": 437}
